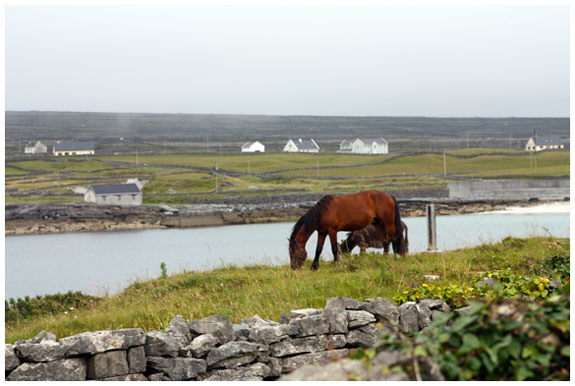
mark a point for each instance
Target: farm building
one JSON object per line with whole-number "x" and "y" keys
{"x": 364, "y": 146}
{"x": 302, "y": 146}
{"x": 253, "y": 147}
{"x": 114, "y": 194}
{"x": 538, "y": 143}
{"x": 74, "y": 148}
{"x": 35, "y": 148}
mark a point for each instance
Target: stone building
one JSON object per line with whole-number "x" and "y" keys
{"x": 114, "y": 194}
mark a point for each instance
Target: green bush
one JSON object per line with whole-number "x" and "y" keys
{"x": 497, "y": 340}
{"x": 26, "y": 308}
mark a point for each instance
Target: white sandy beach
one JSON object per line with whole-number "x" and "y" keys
{"x": 551, "y": 207}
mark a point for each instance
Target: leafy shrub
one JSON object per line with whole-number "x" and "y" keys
{"x": 26, "y": 308}
{"x": 497, "y": 340}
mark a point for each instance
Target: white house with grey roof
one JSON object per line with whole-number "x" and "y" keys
{"x": 253, "y": 147}
{"x": 302, "y": 146}
{"x": 376, "y": 145}
{"x": 35, "y": 148}
{"x": 539, "y": 143}
{"x": 114, "y": 194}
{"x": 74, "y": 148}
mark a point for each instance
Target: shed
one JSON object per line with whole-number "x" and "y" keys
{"x": 35, "y": 148}
{"x": 114, "y": 194}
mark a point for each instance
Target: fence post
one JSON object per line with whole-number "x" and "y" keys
{"x": 431, "y": 228}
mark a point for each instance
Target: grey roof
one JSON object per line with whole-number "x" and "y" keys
{"x": 346, "y": 143}
{"x": 305, "y": 144}
{"x": 116, "y": 189}
{"x": 31, "y": 144}
{"x": 547, "y": 141}
{"x": 378, "y": 140}
{"x": 71, "y": 146}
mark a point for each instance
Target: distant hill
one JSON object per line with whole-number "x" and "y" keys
{"x": 234, "y": 129}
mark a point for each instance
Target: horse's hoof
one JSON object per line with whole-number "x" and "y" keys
{"x": 314, "y": 267}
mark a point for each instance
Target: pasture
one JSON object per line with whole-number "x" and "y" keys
{"x": 178, "y": 178}
{"x": 242, "y": 292}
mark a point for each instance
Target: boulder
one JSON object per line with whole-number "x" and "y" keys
{"x": 219, "y": 326}
{"x": 11, "y": 361}
{"x": 159, "y": 344}
{"x": 408, "y": 317}
{"x": 299, "y": 346}
{"x": 241, "y": 332}
{"x": 108, "y": 364}
{"x": 177, "y": 369}
{"x": 101, "y": 341}
{"x": 179, "y": 331}
{"x": 255, "y": 372}
{"x": 73, "y": 369}
{"x": 271, "y": 334}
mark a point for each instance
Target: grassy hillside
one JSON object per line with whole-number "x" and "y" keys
{"x": 239, "y": 293}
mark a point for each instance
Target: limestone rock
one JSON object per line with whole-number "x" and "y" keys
{"x": 137, "y": 359}
{"x": 337, "y": 319}
{"x": 44, "y": 351}
{"x": 73, "y": 369}
{"x": 271, "y": 334}
{"x": 179, "y": 331}
{"x": 241, "y": 332}
{"x": 159, "y": 344}
{"x": 382, "y": 309}
{"x": 201, "y": 345}
{"x": 11, "y": 361}
{"x": 359, "y": 318}
{"x": 127, "y": 377}
{"x": 342, "y": 302}
{"x": 177, "y": 369}
{"x": 220, "y": 326}
{"x": 299, "y": 346}
{"x": 292, "y": 363}
{"x": 243, "y": 352}
{"x": 311, "y": 325}
{"x": 408, "y": 321}
{"x": 255, "y": 372}
{"x": 101, "y": 341}
{"x": 108, "y": 364}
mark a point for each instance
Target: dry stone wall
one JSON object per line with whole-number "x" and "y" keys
{"x": 214, "y": 348}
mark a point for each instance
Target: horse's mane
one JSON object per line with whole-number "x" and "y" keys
{"x": 311, "y": 218}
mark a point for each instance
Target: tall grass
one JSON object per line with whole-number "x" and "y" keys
{"x": 242, "y": 292}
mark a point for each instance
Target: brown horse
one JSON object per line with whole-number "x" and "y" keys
{"x": 369, "y": 238}
{"x": 349, "y": 212}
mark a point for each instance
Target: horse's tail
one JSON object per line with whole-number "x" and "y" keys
{"x": 398, "y": 222}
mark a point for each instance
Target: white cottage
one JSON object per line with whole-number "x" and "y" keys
{"x": 364, "y": 146}
{"x": 114, "y": 194}
{"x": 539, "y": 143}
{"x": 302, "y": 146}
{"x": 253, "y": 147}
{"x": 35, "y": 148}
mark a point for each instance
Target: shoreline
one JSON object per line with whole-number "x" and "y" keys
{"x": 28, "y": 219}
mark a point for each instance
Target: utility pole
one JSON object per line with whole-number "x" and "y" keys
{"x": 249, "y": 171}
{"x": 317, "y": 168}
{"x": 444, "y": 165}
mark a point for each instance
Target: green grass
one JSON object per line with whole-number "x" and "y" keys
{"x": 239, "y": 293}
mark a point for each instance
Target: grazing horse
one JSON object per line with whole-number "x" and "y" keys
{"x": 369, "y": 238}
{"x": 350, "y": 212}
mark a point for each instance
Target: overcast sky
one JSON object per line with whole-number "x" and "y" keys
{"x": 437, "y": 61}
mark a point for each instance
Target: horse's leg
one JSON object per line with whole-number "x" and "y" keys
{"x": 320, "y": 241}
{"x": 334, "y": 249}
{"x": 383, "y": 235}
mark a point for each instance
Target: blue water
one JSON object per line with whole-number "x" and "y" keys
{"x": 97, "y": 263}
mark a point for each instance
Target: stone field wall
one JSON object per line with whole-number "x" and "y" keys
{"x": 214, "y": 348}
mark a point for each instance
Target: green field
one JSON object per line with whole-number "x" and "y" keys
{"x": 188, "y": 176}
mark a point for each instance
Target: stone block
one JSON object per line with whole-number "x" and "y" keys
{"x": 219, "y": 326}
{"x": 336, "y": 341}
{"x": 179, "y": 331}
{"x": 408, "y": 317}
{"x": 177, "y": 369}
{"x": 271, "y": 334}
{"x": 127, "y": 377}
{"x": 241, "y": 353}
{"x": 11, "y": 361}
{"x": 337, "y": 319}
{"x": 255, "y": 372}
{"x": 382, "y": 309}
{"x": 311, "y": 325}
{"x": 201, "y": 345}
{"x": 290, "y": 364}
{"x": 44, "y": 351}
{"x": 101, "y": 341}
{"x": 359, "y": 318}
{"x": 159, "y": 344}
{"x": 299, "y": 346}
{"x": 108, "y": 364}
{"x": 343, "y": 303}
{"x": 137, "y": 359}
{"x": 73, "y": 369}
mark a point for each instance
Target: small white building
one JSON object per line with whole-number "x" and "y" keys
{"x": 253, "y": 147}
{"x": 302, "y": 146}
{"x": 539, "y": 143}
{"x": 114, "y": 194}
{"x": 364, "y": 146}
{"x": 35, "y": 148}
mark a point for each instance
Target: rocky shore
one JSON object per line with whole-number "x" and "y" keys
{"x": 21, "y": 219}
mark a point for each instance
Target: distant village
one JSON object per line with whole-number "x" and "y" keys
{"x": 131, "y": 193}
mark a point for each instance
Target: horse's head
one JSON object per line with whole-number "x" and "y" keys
{"x": 297, "y": 254}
